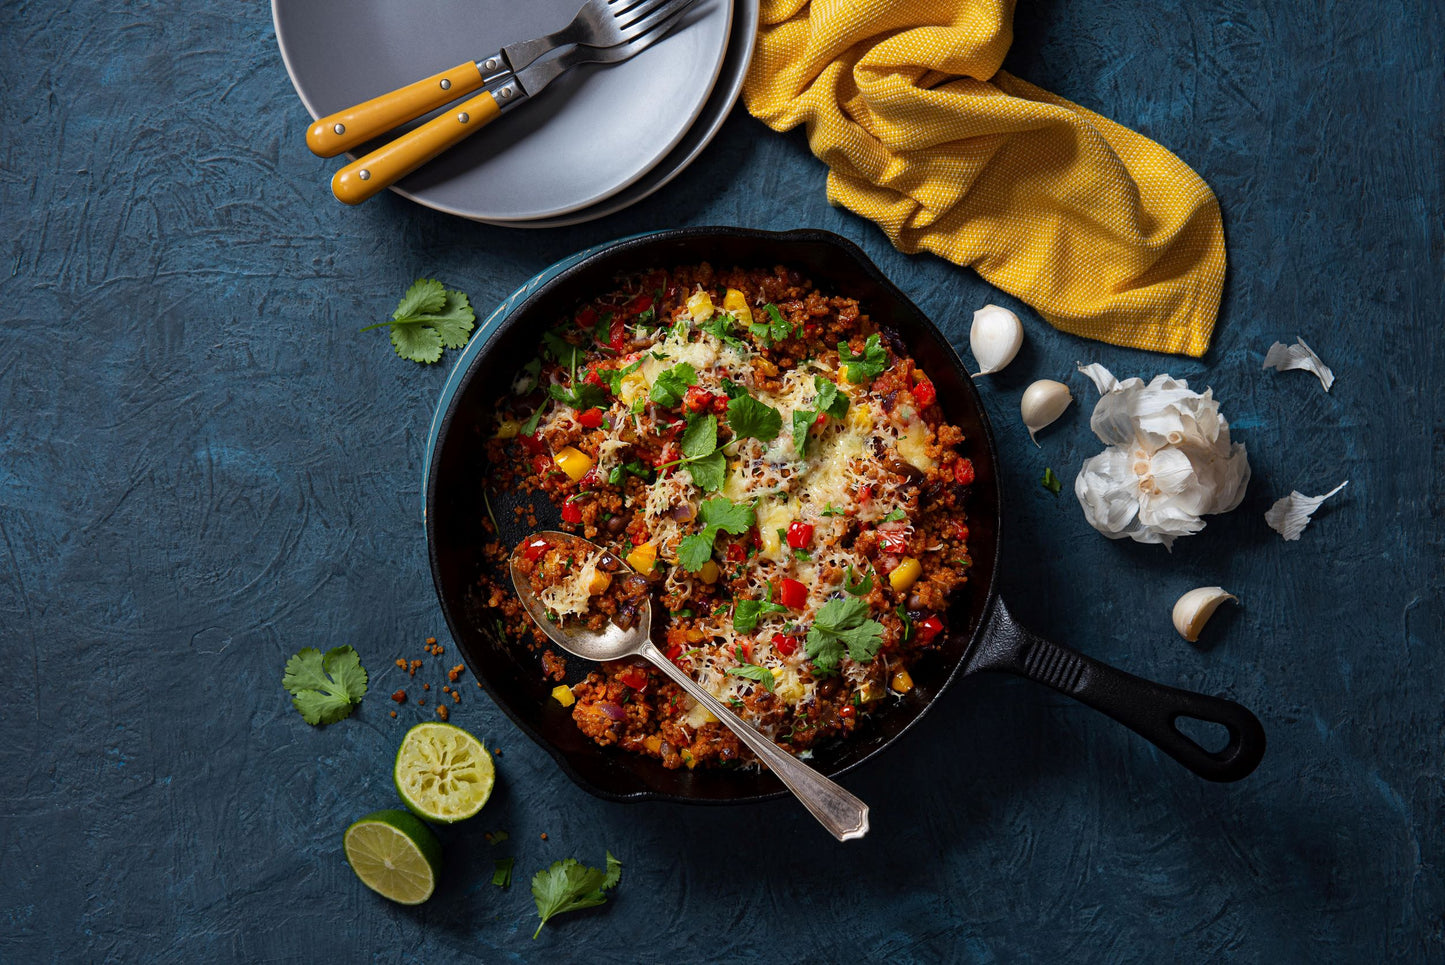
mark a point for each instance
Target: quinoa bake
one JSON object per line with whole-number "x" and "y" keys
{"x": 777, "y": 474}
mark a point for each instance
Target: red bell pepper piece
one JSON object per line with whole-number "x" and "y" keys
{"x": 793, "y": 594}
{"x": 893, "y": 541}
{"x": 784, "y": 644}
{"x": 543, "y": 464}
{"x": 535, "y": 548}
{"x": 673, "y": 652}
{"x": 926, "y": 630}
{"x": 960, "y": 531}
{"x": 617, "y": 333}
{"x": 800, "y": 534}
{"x": 634, "y": 677}
{"x": 924, "y": 393}
{"x": 587, "y": 317}
{"x": 590, "y": 418}
{"x": 963, "y": 472}
{"x": 571, "y": 512}
{"x": 533, "y": 444}
{"x": 697, "y": 399}
{"x": 639, "y": 304}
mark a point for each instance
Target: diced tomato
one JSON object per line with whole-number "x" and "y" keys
{"x": 963, "y": 471}
{"x": 673, "y": 652}
{"x": 748, "y": 651}
{"x": 784, "y": 644}
{"x": 592, "y": 378}
{"x": 590, "y": 478}
{"x": 865, "y": 495}
{"x": 591, "y": 418}
{"x": 533, "y": 444}
{"x": 617, "y": 334}
{"x": 587, "y": 317}
{"x": 735, "y": 553}
{"x": 571, "y": 512}
{"x": 697, "y": 399}
{"x": 793, "y": 594}
{"x": 639, "y": 304}
{"x": 893, "y": 541}
{"x": 800, "y": 534}
{"x": 535, "y": 548}
{"x": 634, "y": 677}
{"x": 543, "y": 464}
{"x": 926, "y": 630}
{"x": 924, "y": 393}
{"x": 847, "y": 710}
{"x": 960, "y": 531}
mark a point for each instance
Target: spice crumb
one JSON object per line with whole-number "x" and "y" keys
{"x": 544, "y": 835}
{"x": 399, "y": 696}
{"x": 401, "y": 663}
{"x": 393, "y": 713}
{"x": 431, "y": 640}
{"x": 421, "y": 703}
{"x": 456, "y": 697}
{"x": 442, "y": 712}
{"x": 456, "y": 671}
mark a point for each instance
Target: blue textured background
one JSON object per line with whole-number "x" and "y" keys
{"x": 203, "y": 467}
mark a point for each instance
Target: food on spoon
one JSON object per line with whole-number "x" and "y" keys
{"x": 778, "y": 473}
{"x": 579, "y": 584}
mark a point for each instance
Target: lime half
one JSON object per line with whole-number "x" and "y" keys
{"x": 394, "y": 855}
{"x": 443, "y": 773}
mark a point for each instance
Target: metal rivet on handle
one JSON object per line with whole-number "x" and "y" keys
{"x": 464, "y": 117}
{"x": 446, "y": 84}
{"x": 491, "y": 63}
{"x": 505, "y": 92}
{"x": 340, "y": 128}
{"x": 364, "y": 174}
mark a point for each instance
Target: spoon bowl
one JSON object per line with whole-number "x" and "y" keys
{"x": 845, "y": 816}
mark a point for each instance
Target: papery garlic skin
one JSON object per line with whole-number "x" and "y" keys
{"x": 995, "y": 338}
{"x": 1193, "y": 610}
{"x": 1042, "y": 404}
{"x": 1289, "y": 516}
{"x": 1283, "y": 358}
{"x": 1169, "y": 460}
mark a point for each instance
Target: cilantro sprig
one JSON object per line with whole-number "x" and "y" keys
{"x": 428, "y": 319}
{"x": 701, "y": 457}
{"x": 841, "y": 625}
{"x": 856, "y": 586}
{"x": 752, "y": 671}
{"x": 869, "y": 365}
{"x": 571, "y": 886}
{"x": 830, "y": 402}
{"x": 775, "y": 329}
{"x": 749, "y": 417}
{"x": 671, "y": 384}
{"x": 325, "y": 687}
{"x": 718, "y": 515}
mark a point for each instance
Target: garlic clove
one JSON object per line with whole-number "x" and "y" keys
{"x": 1193, "y": 610}
{"x": 995, "y": 337}
{"x": 1042, "y": 403}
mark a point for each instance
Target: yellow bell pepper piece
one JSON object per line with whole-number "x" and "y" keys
{"x": 902, "y": 682}
{"x": 905, "y": 574}
{"x": 632, "y": 387}
{"x": 601, "y": 580}
{"x": 700, "y": 307}
{"x": 709, "y": 572}
{"x": 574, "y": 462}
{"x": 508, "y": 429}
{"x": 735, "y": 303}
{"x": 563, "y": 695}
{"x": 642, "y": 557}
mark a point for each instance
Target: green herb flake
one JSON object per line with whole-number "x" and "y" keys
{"x": 895, "y": 515}
{"x": 502, "y": 872}
{"x": 858, "y": 587}
{"x": 751, "y": 671}
{"x": 1051, "y": 482}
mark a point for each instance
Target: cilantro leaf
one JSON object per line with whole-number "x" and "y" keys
{"x": 752, "y": 671}
{"x": 720, "y": 326}
{"x": 895, "y": 514}
{"x": 718, "y": 515}
{"x": 830, "y": 400}
{"x": 571, "y": 886}
{"x": 614, "y": 377}
{"x": 747, "y": 613}
{"x": 869, "y": 365}
{"x": 700, "y": 437}
{"x": 907, "y": 622}
{"x": 530, "y": 426}
{"x": 749, "y": 417}
{"x": 634, "y": 468}
{"x": 803, "y": 420}
{"x": 775, "y": 329}
{"x": 324, "y": 688}
{"x": 427, "y": 319}
{"x": 563, "y": 352}
{"x": 581, "y": 396}
{"x": 672, "y": 383}
{"x": 831, "y": 510}
{"x": 858, "y": 587}
{"x": 843, "y": 623}
{"x": 502, "y": 872}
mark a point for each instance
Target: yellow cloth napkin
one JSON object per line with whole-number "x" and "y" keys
{"x": 1103, "y": 231}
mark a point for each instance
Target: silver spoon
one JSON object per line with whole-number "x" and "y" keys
{"x": 841, "y": 813}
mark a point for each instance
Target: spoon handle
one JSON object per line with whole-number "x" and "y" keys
{"x": 840, "y": 812}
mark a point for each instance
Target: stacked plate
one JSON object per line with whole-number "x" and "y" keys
{"x": 595, "y": 141}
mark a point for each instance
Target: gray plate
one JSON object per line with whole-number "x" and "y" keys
{"x": 741, "y": 41}
{"x": 589, "y": 135}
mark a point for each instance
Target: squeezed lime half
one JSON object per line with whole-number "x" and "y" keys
{"x": 443, "y": 773}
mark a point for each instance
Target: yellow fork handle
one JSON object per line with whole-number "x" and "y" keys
{"x": 390, "y": 163}
{"x": 344, "y": 130}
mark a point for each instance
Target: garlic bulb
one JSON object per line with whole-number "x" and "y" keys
{"x": 995, "y": 337}
{"x": 1289, "y": 516}
{"x": 1193, "y": 610}
{"x": 1169, "y": 460}
{"x": 1283, "y": 358}
{"x": 1042, "y": 403}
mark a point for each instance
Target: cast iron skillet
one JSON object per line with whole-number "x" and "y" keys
{"x": 984, "y": 635}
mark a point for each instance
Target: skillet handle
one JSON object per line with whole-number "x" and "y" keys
{"x": 1147, "y": 708}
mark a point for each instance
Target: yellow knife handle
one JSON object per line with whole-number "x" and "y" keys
{"x": 344, "y": 130}
{"x": 391, "y": 162}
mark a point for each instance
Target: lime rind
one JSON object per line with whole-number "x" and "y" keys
{"x": 443, "y": 773}
{"x": 395, "y": 855}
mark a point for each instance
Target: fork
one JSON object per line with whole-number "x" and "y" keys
{"x": 391, "y": 162}
{"x": 600, "y": 23}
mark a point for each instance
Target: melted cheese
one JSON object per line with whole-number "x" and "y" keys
{"x": 571, "y": 596}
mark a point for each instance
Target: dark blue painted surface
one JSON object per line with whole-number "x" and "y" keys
{"x": 203, "y": 467}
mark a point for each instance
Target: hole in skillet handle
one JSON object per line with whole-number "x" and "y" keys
{"x": 1151, "y": 710}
